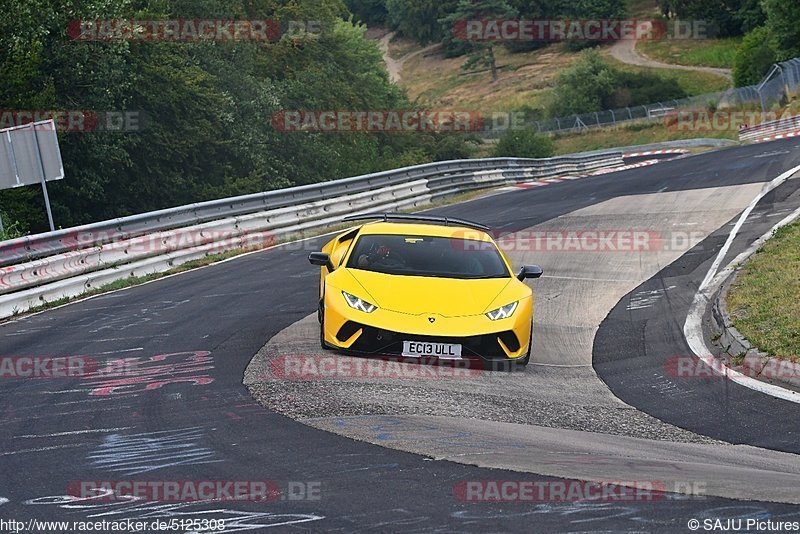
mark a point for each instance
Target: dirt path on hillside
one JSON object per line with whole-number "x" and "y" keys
{"x": 625, "y": 51}
{"x": 395, "y": 66}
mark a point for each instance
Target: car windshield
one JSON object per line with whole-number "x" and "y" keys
{"x": 416, "y": 255}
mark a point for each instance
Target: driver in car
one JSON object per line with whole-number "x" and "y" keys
{"x": 381, "y": 256}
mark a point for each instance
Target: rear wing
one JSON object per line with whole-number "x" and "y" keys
{"x": 408, "y": 217}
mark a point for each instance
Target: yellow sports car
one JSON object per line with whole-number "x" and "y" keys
{"x": 424, "y": 287}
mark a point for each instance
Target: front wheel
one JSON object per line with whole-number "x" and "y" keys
{"x": 321, "y": 316}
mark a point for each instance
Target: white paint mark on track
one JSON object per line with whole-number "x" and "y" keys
{"x": 74, "y": 432}
{"x": 40, "y": 449}
{"x": 141, "y": 453}
{"x": 646, "y": 299}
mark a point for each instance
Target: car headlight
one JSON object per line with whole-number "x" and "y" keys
{"x": 503, "y": 312}
{"x": 358, "y": 304}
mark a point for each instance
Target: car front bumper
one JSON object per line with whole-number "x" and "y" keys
{"x": 382, "y": 332}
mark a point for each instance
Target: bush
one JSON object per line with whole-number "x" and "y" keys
{"x": 525, "y": 143}
{"x": 590, "y": 84}
{"x": 583, "y": 86}
{"x": 637, "y": 88}
{"x": 11, "y": 230}
{"x": 754, "y": 57}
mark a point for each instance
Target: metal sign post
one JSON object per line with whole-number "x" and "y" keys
{"x": 44, "y": 180}
{"x": 31, "y": 156}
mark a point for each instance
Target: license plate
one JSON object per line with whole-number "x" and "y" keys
{"x": 445, "y": 351}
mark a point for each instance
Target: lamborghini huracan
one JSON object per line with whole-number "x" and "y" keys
{"x": 424, "y": 287}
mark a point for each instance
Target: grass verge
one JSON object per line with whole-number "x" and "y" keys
{"x": 692, "y": 82}
{"x": 629, "y": 135}
{"x": 764, "y": 300}
{"x": 719, "y": 53}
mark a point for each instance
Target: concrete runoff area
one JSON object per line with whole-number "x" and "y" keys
{"x": 734, "y": 471}
{"x": 557, "y": 417}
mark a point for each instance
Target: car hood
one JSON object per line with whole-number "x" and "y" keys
{"x": 448, "y": 297}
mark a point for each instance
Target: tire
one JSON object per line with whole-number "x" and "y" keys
{"x": 523, "y": 362}
{"x": 321, "y": 317}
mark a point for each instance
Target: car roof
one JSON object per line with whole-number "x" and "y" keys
{"x": 434, "y": 230}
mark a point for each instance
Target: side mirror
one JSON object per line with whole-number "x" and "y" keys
{"x": 321, "y": 259}
{"x": 530, "y": 271}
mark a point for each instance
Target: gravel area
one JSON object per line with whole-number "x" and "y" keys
{"x": 544, "y": 396}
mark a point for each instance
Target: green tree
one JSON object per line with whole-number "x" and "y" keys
{"x": 583, "y": 86}
{"x": 481, "y": 53}
{"x": 208, "y": 132}
{"x": 750, "y": 15}
{"x": 368, "y": 11}
{"x": 726, "y": 17}
{"x": 783, "y": 20}
{"x": 595, "y": 10}
{"x": 419, "y": 19}
{"x": 754, "y": 57}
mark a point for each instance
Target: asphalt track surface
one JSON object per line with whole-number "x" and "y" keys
{"x": 187, "y": 416}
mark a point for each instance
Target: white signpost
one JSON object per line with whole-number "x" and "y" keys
{"x": 30, "y": 155}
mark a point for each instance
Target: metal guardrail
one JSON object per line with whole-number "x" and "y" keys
{"x": 49, "y": 266}
{"x": 50, "y": 243}
{"x": 767, "y": 129}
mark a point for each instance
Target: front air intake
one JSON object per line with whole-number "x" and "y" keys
{"x": 347, "y": 330}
